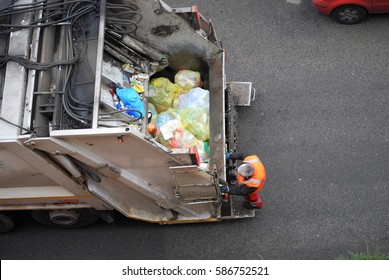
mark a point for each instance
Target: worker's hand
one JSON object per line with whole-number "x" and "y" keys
{"x": 224, "y": 188}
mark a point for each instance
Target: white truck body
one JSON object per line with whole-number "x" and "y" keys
{"x": 51, "y": 163}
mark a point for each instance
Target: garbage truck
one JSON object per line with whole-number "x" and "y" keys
{"x": 73, "y": 148}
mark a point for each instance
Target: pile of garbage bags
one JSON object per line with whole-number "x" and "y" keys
{"x": 181, "y": 112}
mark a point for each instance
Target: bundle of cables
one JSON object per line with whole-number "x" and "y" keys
{"x": 64, "y": 14}
{"x": 70, "y": 103}
{"x": 55, "y": 12}
{"x": 33, "y": 65}
{"x": 123, "y": 18}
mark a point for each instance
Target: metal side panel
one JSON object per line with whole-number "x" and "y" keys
{"x": 28, "y": 173}
{"x": 217, "y": 113}
{"x": 131, "y": 175}
{"x": 18, "y": 170}
{"x": 99, "y": 61}
{"x": 37, "y": 197}
{"x": 15, "y": 79}
{"x": 32, "y": 74}
{"x": 134, "y": 150}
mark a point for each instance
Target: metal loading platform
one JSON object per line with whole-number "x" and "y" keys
{"x": 233, "y": 209}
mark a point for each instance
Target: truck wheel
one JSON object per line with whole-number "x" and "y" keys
{"x": 65, "y": 218}
{"x": 6, "y": 223}
{"x": 349, "y": 14}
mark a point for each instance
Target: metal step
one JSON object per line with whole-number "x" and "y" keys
{"x": 233, "y": 209}
{"x": 243, "y": 93}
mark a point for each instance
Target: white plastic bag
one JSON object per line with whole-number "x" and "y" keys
{"x": 195, "y": 98}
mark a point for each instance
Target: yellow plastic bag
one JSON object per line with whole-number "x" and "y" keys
{"x": 188, "y": 79}
{"x": 196, "y": 120}
{"x": 162, "y": 93}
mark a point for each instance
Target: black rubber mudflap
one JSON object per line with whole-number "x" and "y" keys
{"x": 233, "y": 209}
{"x": 226, "y": 208}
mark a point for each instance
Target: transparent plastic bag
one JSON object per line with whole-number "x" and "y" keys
{"x": 162, "y": 93}
{"x": 182, "y": 138}
{"x": 188, "y": 79}
{"x": 166, "y": 116}
{"x": 196, "y": 120}
{"x": 203, "y": 150}
{"x": 195, "y": 98}
{"x": 153, "y": 112}
{"x": 166, "y": 123}
{"x": 172, "y": 134}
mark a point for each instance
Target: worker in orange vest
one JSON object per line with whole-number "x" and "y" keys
{"x": 251, "y": 177}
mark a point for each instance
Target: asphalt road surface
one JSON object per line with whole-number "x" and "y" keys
{"x": 319, "y": 124}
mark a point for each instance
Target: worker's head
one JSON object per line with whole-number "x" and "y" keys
{"x": 246, "y": 170}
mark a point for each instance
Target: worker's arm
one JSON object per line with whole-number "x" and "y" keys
{"x": 235, "y": 156}
{"x": 240, "y": 190}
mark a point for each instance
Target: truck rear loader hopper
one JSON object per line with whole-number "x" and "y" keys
{"x": 67, "y": 154}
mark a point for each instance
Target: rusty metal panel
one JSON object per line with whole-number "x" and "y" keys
{"x": 165, "y": 31}
{"x": 217, "y": 113}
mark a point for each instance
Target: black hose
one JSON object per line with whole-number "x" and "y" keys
{"x": 14, "y": 124}
{"x": 32, "y": 65}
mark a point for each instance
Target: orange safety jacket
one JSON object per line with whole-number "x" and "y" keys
{"x": 257, "y": 180}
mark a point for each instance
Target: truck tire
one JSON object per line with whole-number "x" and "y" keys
{"x": 6, "y": 223}
{"x": 65, "y": 218}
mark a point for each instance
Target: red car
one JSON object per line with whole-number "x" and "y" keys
{"x": 350, "y": 11}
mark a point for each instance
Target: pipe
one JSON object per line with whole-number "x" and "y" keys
{"x": 69, "y": 166}
{"x": 144, "y": 49}
{"x": 41, "y": 120}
